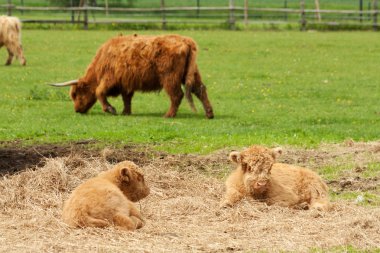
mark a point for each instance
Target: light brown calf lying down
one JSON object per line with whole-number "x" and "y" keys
{"x": 260, "y": 177}
{"x": 107, "y": 199}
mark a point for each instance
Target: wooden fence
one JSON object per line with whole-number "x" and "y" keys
{"x": 230, "y": 15}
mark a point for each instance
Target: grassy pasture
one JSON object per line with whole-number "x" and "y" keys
{"x": 287, "y": 88}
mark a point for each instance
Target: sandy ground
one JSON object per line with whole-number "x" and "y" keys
{"x": 182, "y": 212}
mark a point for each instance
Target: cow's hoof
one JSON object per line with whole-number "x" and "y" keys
{"x": 126, "y": 113}
{"x": 209, "y": 114}
{"x": 111, "y": 110}
{"x": 169, "y": 115}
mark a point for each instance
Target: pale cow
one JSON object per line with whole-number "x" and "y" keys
{"x": 10, "y": 37}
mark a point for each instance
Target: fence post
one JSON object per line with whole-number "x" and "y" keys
{"x": 246, "y": 12}
{"x": 22, "y": 4}
{"x": 85, "y": 21}
{"x": 163, "y": 14}
{"x": 232, "y": 20}
{"x": 317, "y": 13}
{"x": 303, "y": 15}
{"x": 72, "y": 12}
{"x": 285, "y": 7}
{"x": 361, "y": 10}
{"x": 106, "y": 3}
{"x": 375, "y": 9}
{"x": 369, "y": 9}
{"x": 198, "y": 5}
{"x": 9, "y": 8}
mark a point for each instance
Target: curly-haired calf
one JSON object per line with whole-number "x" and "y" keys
{"x": 260, "y": 177}
{"x": 107, "y": 199}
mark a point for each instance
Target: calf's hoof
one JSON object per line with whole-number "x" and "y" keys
{"x": 138, "y": 223}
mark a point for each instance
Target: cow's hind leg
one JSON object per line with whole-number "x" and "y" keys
{"x": 127, "y": 99}
{"x": 201, "y": 94}
{"x": 176, "y": 94}
{"x": 10, "y": 57}
{"x": 20, "y": 55}
{"x": 101, "y": 94}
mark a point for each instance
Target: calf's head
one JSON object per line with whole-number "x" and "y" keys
{"x": 131, "y": 181}
{"x": 256, "y": 163}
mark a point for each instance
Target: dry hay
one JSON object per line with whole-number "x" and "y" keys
{"x": 182, "y": 214}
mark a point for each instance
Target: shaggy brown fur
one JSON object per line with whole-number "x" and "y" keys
{"x": 258, "y": 176}
{"x": 10, "y": 37}
{"x": 126, "y": 64}
{"x": 107, "y": 199}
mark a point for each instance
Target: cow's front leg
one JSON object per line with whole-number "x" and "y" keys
{"x": 176, "y": 94}
{"x": 127, "y": 99}
{"x": 101, "y": 94}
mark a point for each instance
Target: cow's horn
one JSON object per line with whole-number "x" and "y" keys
{"x": 68, "y": 83}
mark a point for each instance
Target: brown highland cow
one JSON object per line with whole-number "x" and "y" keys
{"x": 10, "y": 37}
{"x": 107, "y": 199}
{"x": 126, "y": 64}
{"x": 260, "y": 177}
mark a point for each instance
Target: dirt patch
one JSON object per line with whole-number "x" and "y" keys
{"x": 14, "y": 157}
{"x": 354, "y": 156}
{"x": 182, "y": 213}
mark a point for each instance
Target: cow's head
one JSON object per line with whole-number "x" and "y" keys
{"x": 131, "y": 181}
{"x": 83, "y": 97}
{"x": 256, "y": 163}
{"x": 82, "y": 94}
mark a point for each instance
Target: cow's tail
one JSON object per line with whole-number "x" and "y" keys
{"x": 190, "y": 73}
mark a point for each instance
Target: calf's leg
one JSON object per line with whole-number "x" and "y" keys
{"x": 94, "y": 222}
{"x": 231, "y": 197}
{"x": 126, "y": 222}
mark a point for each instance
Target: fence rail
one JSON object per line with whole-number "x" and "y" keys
{"x": 229, "y": 14}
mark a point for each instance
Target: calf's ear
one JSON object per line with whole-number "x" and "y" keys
{"x": 235, "y": 156}
{"x": 276, "y": 152}
{"x": 124, "y": 174}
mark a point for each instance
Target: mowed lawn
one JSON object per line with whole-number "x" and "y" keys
{"x": 272, "y": 88}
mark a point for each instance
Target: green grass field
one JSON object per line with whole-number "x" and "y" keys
{"x": 266, "y": 87}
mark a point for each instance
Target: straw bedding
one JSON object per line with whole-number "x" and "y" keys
{"x": 182, "y": 214}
